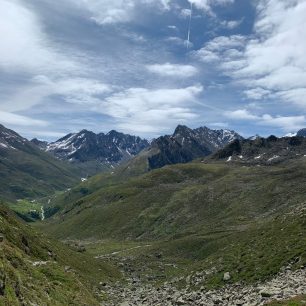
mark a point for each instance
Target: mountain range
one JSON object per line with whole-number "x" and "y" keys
{"x": 114, "y": 148}
{"x": 204, "y": 214}
{"x": 110, "y": 148}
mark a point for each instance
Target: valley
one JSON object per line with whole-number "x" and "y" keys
{"x": 210, "y": 231}
{"x": 152, "y": 153}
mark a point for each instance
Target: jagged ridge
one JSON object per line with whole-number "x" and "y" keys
{"x": 187, "y": 144}
{"x": 113, "y": 147}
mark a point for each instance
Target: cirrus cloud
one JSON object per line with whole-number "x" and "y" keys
{"x": 15, "y": 119}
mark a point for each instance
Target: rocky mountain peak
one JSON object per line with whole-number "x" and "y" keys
{"x": 10, "y": 139}
{"x": 301, "y": 133}
{"x": 40, "y": 143}
{"x": 182, "y": 130}
{"x": 187, "y": 144}
{"x": 86, "y": 146}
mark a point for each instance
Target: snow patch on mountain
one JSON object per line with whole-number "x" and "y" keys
{"x": 111, "y": 148}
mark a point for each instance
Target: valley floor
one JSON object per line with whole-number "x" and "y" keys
{"x": 164, "y": 281}
{"x": 286, "y": 285}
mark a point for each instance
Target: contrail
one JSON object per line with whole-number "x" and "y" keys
{"x": 189, "y": 27}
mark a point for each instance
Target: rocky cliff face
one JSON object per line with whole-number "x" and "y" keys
{"x": 187, "y": 144}
{"x": 301, "y": 133}
{"x": 85, "y": 146}
{"x": 263, "y": 150}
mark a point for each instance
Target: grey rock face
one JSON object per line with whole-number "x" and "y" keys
{"x": 285, "y": 285}
{"x": 265, "y": 151}
{"x": 301, "y": 133}
{"x": 85, "y": 146}
{"x": 186, "y": 144}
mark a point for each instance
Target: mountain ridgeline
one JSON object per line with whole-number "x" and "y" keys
{"x": 188, "y": 144}
{"x": 114, "y": 148}
{"x": 269, "y": 150}
{"x": 85, "y": 146}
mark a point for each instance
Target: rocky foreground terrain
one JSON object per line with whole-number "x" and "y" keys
{"x": 287, "y": 284}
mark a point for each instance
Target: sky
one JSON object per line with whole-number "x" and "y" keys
{"x": 128, "y": 65}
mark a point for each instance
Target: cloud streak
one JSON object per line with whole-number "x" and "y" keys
{"x": 14, "y": 119}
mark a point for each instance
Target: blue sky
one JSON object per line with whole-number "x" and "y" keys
{"x": 125, "y": 65}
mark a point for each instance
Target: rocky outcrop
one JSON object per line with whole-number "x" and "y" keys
{"x": 285, "y": 285}
{"x": 301, "y": 133}
{"x": 266, "y": 151}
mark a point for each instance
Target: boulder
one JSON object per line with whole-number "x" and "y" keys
{"x": 226, "y": 276}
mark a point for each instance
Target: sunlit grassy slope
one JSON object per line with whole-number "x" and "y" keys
{"x": 37, "y": 270}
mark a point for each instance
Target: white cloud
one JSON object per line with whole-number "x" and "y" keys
{"x": 23, "y": 45}
{"x": 206, "y": 5}
{"x": 185, "y": 13}
{"x": 257, "y": 93}
{"x": 81, "y": 91}
{"x": 240, "y": 114}
{"x": 222, "y": 49}
{"x": 73, "y": 90}
{"x": 14, "y": 119}
{"x": 173, "y": 70}
{"x": 116, "y": 11}
{"x": 286, "y": 123}
{"x": 272, "y": 62}
{"x": 231, "y": 24}
{"x": 276, "y": 60}
{"x": 144, "y": 110}
{"x": 179, "y": 41}
{"x": 121, "y": 11}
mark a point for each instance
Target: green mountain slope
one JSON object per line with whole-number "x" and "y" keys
{"x": 36, "y": 270}
{"x": 28, "y": 172}
{"x": 249, "y": 220}
{"x": 177, "y": 200}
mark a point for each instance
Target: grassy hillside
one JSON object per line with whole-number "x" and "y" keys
{"x": 37, "y": 270}
{"x": 27, "y": 172}
{"x": 179, "y": 200}
{"x": 247, "y": 220}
